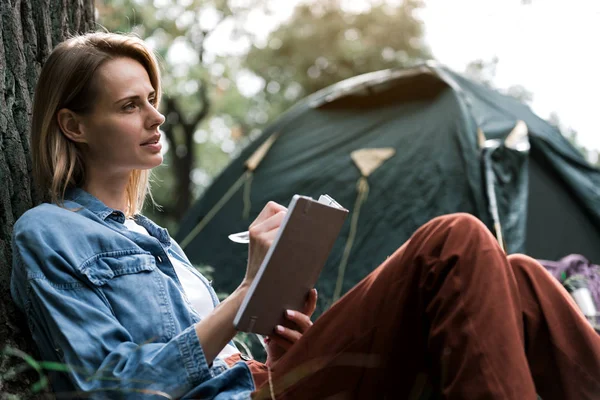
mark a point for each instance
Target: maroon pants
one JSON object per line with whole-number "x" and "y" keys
{"x": 447, "y": 312}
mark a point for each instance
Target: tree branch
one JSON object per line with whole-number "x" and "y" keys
{"x": 190, "y": 127}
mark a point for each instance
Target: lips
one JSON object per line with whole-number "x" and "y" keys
{"x": 153, "y": 140}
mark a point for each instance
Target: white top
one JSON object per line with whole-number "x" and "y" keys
{"x": 193, "y": 288}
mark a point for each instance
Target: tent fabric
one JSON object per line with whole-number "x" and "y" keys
{"x": 368, "y": 160}
{"x": 547, "y": 198}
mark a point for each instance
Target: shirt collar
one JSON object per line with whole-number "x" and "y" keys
{"x": 91, "y": 203}
{"x": 158, "y": 232}
{"x": 103, "y": 212}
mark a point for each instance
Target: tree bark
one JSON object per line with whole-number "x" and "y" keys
{"x": 29, "y": 29}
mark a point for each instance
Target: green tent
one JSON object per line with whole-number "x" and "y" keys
{"x": 397, "y": 148}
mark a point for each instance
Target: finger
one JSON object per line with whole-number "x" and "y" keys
{"x": 257, "y": 250}
{"x": 281, "y": 342}
{"x": 301, "y": 320}
{"x": 310, "y": 305}
{"x": 266, "y": 239}
{"x": 269, "y": 224}
{"x": 286, "y": 333}
{"x": 270, "y": 209}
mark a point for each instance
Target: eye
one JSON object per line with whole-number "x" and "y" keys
{"x": 129, "y": 106}
{"x": 152, "y": 100}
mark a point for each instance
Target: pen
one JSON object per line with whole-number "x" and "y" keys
{"x": 240, "y": 237}
{"x": 244, "y": 237}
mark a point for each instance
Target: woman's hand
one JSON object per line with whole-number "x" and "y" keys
{"x": 284, "y": 337}
{"x": 262, "y": 233}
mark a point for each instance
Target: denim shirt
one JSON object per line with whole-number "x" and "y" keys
{"x": 107, "y": 302}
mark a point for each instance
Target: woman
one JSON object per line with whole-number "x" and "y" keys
{"x": 110, "y": 294}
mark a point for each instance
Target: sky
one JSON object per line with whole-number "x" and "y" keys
{"x": 550, "y": 47}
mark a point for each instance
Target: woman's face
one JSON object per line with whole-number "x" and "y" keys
{"x": 121, "y": 131}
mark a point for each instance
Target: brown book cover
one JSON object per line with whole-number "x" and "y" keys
{"x": 292, "y": 264}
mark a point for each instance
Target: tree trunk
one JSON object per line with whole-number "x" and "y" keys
{"x": 29, "y": 29}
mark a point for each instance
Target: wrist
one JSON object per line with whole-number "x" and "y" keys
{"x": 240, "y": 292}
{"x": 244, "y": 286}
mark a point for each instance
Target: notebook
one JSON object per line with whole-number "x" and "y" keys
{"x": 293, "y": 263}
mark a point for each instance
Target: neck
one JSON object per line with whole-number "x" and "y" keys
{"x": 110, "y": 189}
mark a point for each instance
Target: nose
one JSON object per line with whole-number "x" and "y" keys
{"x": 155, "y": 119}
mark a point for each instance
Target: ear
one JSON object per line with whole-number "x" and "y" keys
{"x": 71, "y": 125}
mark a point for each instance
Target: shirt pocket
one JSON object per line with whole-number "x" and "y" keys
{"x": 136, "y": 292}
{"x": 107, "y": 266}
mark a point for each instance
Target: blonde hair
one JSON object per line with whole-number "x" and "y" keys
{"x": 66, "y": 81}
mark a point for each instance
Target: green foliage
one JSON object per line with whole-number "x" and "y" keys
{"x": 322, "y": 45}
{"x": 28, "y": 363}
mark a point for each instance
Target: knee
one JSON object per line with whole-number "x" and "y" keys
{"x": 460, "y": 222}
{"x": 461, "y": 219}
{"x": 458, "y": 231}
{"x": 529, "y": 269}
{"x": 520, "y": 260}
{"x": 531, "y": 274}
{"x": 522, "y": 264}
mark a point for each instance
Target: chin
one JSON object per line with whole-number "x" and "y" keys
{"x": 149, "y": 164}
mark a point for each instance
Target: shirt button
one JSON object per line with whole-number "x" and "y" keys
{"x": 159, "y": 258}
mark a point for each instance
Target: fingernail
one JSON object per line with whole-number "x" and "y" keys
{"x": 279, "y": 328}
{"x": 289, "y": 313}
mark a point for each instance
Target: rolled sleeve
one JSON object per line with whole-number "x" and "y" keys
{"x": 193, "y": 356}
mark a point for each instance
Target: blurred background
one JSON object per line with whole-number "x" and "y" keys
{"x": 230, "y": 67}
